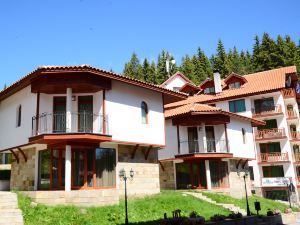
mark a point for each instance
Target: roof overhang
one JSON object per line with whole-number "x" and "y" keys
{"x": 199, "y": 156}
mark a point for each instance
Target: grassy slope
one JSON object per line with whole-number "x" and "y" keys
{"x": 145, "y": 210}
{"x": 264, "y": 203}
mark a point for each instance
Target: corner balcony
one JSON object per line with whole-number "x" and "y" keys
{"x": 295, "y": 136}
{"x": 206, "y": 148}
{"x": 76, "y": 126}
{"x": 267, "y": 111}
{"x": 275, "y": 157}
{"x": 288, "y": 93}
{"x": 291, "y": 115}
{"x": 269, "y": 134}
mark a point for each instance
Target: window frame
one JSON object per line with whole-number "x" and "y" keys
{"x": 234, "y": 102}
{"x": 234, "y": 85}
{"x": 19, "y": 116}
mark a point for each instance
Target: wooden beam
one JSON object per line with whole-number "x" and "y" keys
{"x": 226, "y": 136}
{"x": 194, "y": 120}
{"x": 133, "y": 151}
{"x": 162, "y": 166}
{"x": 178, "y": 140}
{"x": 104, "y": 111}
{"x": 245, "y": 163}
{"x": 15, "y": 155}
{"x": 37, "y": 113}
{"x": 23, "y": 154}
{"x": 147, "y": 152}
{"x": 237, "y": 165}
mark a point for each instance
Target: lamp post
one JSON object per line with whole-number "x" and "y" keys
{"x": 122, "y": 175}
{"x": 248, "y": 208}
{"x": 288, "y": 185}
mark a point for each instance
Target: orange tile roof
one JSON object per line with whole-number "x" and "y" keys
{"x": 257, "y": 83}
{"x": 206, "y": 109}
{"x": 26, "y": 80}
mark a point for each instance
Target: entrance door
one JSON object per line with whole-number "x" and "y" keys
{"x": 193, "y": 139}
{"x": 85, "y": 114}
{"x": 210, "y": 139}
{"x": 59, "y": 115}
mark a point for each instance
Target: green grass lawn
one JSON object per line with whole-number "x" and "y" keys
{"x": 264, "y": 203}
{"x": 145, "y": 211}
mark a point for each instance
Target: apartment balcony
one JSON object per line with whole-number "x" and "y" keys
{"x": 77, "y": 125}
{"x": 267, "y": 111}
{"x": 204, "y": 149}
{"x": 269, "y": 134}
{"x": 291, "y": 115}
{"x": 295, "y": 136}
{"x": 275, "y": 157}
{"x": 275, "y": 181}
{"x": 288, "y": 93}
{"x": 297, "y": 157}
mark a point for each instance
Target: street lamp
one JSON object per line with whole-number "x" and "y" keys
{"x": 288, "y": 185}
{"x": 122, "y": 175}
{"x": 246, "y": 174}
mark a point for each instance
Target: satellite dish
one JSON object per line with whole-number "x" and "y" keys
{"x": 288, "y": 81}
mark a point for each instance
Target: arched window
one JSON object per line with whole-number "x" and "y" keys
{"x": 244, "y": 135}
{"x": 19, "y": 115}
{"x": 144, "y": 109}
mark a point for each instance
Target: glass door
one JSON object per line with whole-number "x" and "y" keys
{"x": 59, "y": 115}
{"x": 193, "y": 139}
{"x": 85, "y": 114}
{"x": 78, "y": 168}
{"x": 210, "y": 139}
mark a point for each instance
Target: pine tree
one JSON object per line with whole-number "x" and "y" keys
{"x": 220, "y": 60}
{"x": 4, "y": 87}
{"x": 152, "y": 74}
{"x": 246, "y": 63}
{"x": 234, "y": 61}
{"x": 162, "y": 74}
{"x": 133, "y": 68}
{"x": 256, "y": 54}
{"x": 146, "y": 71}
{"x": 188, "y": 68}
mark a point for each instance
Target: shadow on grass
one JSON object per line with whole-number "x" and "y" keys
{"x": 152, "y": 222}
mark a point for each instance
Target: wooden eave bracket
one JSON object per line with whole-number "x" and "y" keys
{"x": 239, "y": 162}
{"x": 132, "y": 154}
{"x": 161, "y": 165}
{"x": 146, "y": 154}
{"x": 15, "y": 155}
{"x": 23, "y": 154}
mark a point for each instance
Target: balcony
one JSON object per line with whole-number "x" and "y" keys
{"x": 291, "y": 114}
{"x": 297, "y": 157}
{"x": 206, "y": 148}
{"x": 80, "y": 122}
{"x": 268, "y": 134}
{"x": 295, "y": 135}
{"x": 273, "y": 157}
{"x": 267, "y": 111}
{"x": 288, "y": 93}
{"x": 275, "y": 181}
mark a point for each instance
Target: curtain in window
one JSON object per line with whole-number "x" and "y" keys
{"x": 105, "y": 167}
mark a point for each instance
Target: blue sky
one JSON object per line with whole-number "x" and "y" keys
{"x": 104, "y": 33}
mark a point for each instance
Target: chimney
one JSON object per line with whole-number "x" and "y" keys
{"x": 217, "y": 82}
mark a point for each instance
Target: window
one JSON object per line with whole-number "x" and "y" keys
{"x": 270, "y": 124}
{"x": 273, "y": 171}
{"x": 262, "y": 105}
{"x": 209, "y": 90}
{"x": 270, "y": 147}
{"x": 105, "y": 167}
{"x": 176, "y": 88}
{"x": 235, "y": 85}
{"x": 251, "y": 172}
{"x": 19, "y": 115}
{"x": 144, "y": 109}
{"x": 44, "y": 170}
{"x": 244, "y": 135}
{"x": 237, "y": 106}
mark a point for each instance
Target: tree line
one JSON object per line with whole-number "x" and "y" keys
{"x": 267, "y": 53}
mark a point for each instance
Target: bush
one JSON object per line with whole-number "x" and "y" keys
{"x": 234, "y": 215}
{"x": 217, "y": 218}
{"x": 4, "y": 174}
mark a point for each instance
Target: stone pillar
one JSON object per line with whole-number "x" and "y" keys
{"x": 69, "y": 110}
{"x": 2, "y": 158}
{"x": 208, "y": 179}
{"x": 68, "y": 168}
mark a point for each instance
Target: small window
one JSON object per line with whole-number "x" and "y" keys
{"x": 235, "y": 85}
{"x": 251, "y": 172}
{"x": 19, "y": 115}
{"x": 144, "y": 110}
{"x": 176, "y": 88}
{"x": 244, "y": 136}
{"x": 237, "y": 106}
{"x": 209, "y": 90}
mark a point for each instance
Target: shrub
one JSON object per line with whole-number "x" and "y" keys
{"x": 4, "y": 174}
{"x": 234, "y": 215}
{"x": 217, "y": 218}
{"x": 270, "y": 212}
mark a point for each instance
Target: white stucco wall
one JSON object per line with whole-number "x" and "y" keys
{"x": 10, "y": 134}
{"x": 123, "y": 107}
{"x": 175, "y": 82}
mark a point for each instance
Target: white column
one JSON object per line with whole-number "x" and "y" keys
{"x": 68, "y": 168}
{"x": 69, "y": 110}
{"x": 208, "y": 179}
{"x": 36, "y": 170}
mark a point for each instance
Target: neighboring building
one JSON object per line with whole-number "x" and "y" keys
{"x": 203, "y": 149}
{"x": 72, "y": 128}
{"x": 270, "y": 96}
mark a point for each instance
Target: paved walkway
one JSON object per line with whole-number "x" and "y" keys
{"x": 10, "y": 214}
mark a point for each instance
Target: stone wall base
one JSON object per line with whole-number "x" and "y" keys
{"x": 166, "y": 175}
{"x": 80, "y": 198}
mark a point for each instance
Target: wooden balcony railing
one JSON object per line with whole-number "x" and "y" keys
{"x": 268, "y": 110}
{"x": 270, "y": 133}
{"x": 296, "y": 157}
{"x": 274, "y": 157}
{"x": 291, "y": 114}
{"x": 288, "y": 93}
{"x": 295, "y": 135}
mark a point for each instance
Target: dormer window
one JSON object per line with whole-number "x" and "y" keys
{"x": 234, "y": 85}
{"x": 209, "y": 90}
